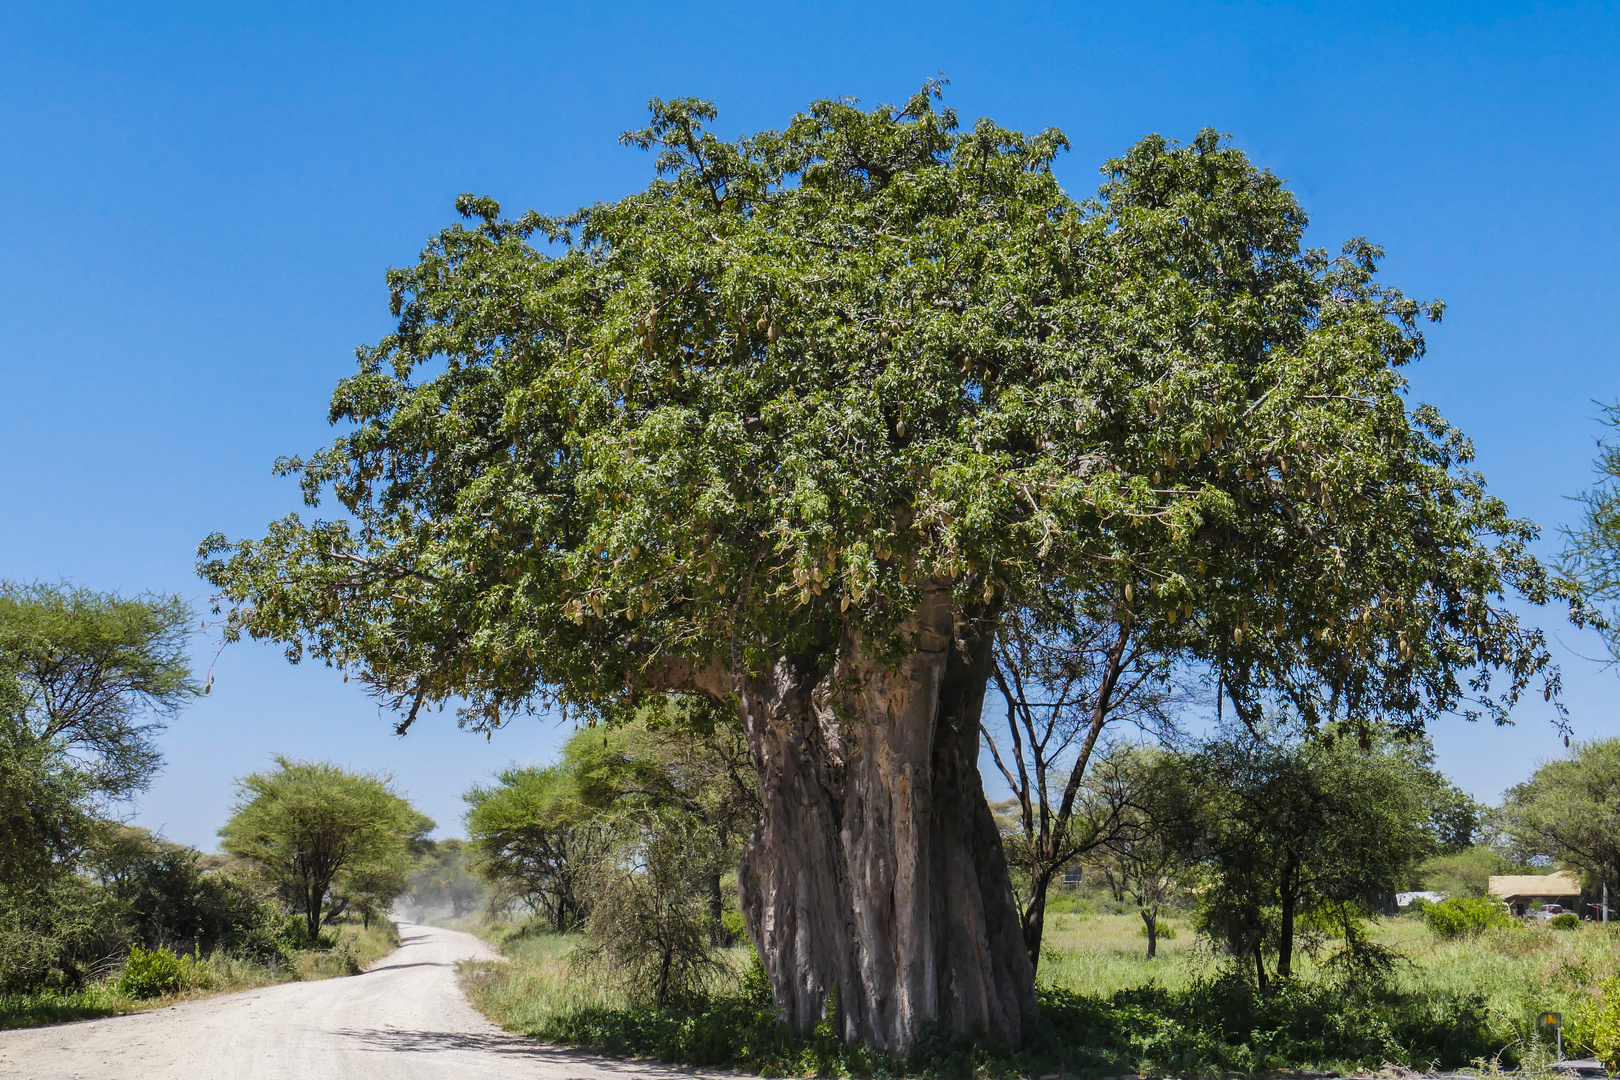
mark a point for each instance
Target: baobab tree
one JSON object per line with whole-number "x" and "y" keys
{"x": 792, "y": 426}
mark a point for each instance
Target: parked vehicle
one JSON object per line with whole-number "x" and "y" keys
{"x": 1545, "y": 912}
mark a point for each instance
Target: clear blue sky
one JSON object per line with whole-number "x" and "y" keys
{"x": 198, "y": 202}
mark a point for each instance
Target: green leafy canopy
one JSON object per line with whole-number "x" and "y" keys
{"x": 88, "y": 680}
{"x": 754, "y": 409}
{"x": 318, "y": 830}
{"x": 1569, "y": 810}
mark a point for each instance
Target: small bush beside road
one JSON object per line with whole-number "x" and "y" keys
{"x": 150, "y": 973}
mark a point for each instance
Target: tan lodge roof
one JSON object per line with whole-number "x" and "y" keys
{"x": 1559, "y": 884}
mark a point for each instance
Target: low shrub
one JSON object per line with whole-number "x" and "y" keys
{"x": 170, "y": 898}
{"x": 1598, "y": 1025}
{"x": 649, "y": 928}
{"x": 1465, "y": 916}
{"x": 58, "y": 934}
{"x": 1219, "y": 1026}
{"x": 345, "y": 949}
{"x": 150, "y": 973}
{"x": 1166, "y": 931}
{"x": 1224, "y": 1025}
{"x": 1567, "y": 920}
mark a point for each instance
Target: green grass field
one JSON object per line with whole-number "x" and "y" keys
{"x": 1520, "y": 972}
{"x": 1113, "y": 1012}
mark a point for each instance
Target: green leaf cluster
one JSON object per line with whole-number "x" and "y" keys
{"x": 150, "y": 973}
{"x": 58, "y": 932}
{"x": 753, "y": 409}
{"x": 1599, "y": 1025}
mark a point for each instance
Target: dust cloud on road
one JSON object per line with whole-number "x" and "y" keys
{"x": 403, "y": 1019}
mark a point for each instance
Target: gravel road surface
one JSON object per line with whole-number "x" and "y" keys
{"x": 405, "y": 1018}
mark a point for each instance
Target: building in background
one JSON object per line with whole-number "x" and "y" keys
{"x": 1524, "y": 892}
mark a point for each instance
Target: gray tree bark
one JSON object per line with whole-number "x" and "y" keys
{"x": 875, "y": 885}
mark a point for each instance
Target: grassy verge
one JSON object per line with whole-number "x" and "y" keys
{"x": 353, "y": 949}
{"x": 1107, "y": 1010}
{"x": 55, "y": 1007}
{"x": 350, "y": 949}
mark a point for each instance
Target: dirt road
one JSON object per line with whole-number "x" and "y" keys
{"x": 405, "y": 1018}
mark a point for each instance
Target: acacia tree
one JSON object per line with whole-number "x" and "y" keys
{"x": 1064, "y": 675}
{"x": 792, "y": 427}
{"x": 650, "y": 924}
{"x": 87, "y": 681}
{"x": 1143, "y": 855}
{"x": 91, "y": 679}
{"x": 1289, "y": 828}
{"x": 442, "y": 876}
{"x": 1569, "y": 810}
{"x": 323, "y": 833}
{"x": 535, "y": 838}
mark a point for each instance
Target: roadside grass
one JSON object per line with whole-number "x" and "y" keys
{"x": 536, "y": 985}
{"x": 353, "y": 948}
{"x": 1107, "y": 1010}
{"x": 55, "y": 1007}
{"x": 349, "y": 948}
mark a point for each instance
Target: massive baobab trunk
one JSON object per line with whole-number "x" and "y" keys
{"x": 875, "y": 884}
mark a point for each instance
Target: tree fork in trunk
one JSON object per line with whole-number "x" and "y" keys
{"x": 876, "y": 876}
